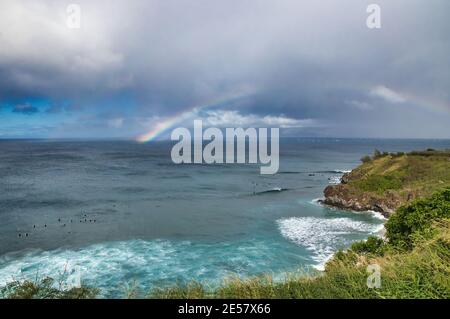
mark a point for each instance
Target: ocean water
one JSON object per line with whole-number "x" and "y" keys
{"x": 116, "y": 213}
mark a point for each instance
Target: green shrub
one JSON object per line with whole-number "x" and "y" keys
{"x": 430, "y": 152}
{"x": 373, "y": 245}
{"x": 415, "y": 219}
{"x": 45, "y": 289}
{"x": 366, "y": 159}
{"x": 377, "y": 154}
{"x": 398, "y": 154}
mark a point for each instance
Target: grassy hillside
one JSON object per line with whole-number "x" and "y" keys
{"x": 416, "y": 173}
{"x": 386, "y": 181}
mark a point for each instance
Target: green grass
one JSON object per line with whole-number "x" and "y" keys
{"x": 399, "y": 177}
{"x": 379, "y": 183}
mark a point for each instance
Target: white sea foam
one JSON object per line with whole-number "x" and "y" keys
{"x": 334, "y": 180}
{"x": 322, "y": 236}
{"x": 341, "y": 171}
{"x": 380, "y": 230}
{"x": 374, "y": 214}
{"x": 377, "y": 215}
{"x": 320, "y": 266}
{"x": 316, "y": 201}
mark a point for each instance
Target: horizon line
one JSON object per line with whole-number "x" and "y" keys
{"x": 131, "y": 139}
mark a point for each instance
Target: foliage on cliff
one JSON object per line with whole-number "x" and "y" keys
{"x": 420, "y": 173}
{"x": 413, "y": 222}
{"x": 45, "y": 288}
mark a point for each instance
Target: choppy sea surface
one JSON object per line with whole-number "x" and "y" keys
{"x": 115, "y": 213}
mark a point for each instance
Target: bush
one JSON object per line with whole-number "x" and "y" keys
{"x": 45, "y": 289}
{"x": 366, "y": 159}
{"x": 415, "y": 219}
{"x": 373, "y": 245}
{"x": 377, "y": 154}
{"x": 398, "y": 154}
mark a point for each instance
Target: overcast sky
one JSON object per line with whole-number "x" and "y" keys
{"x": 313, "y": 68}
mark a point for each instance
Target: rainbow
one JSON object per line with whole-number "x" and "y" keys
{"x": 429, "y": 104}
{"x": 169, "y": 122}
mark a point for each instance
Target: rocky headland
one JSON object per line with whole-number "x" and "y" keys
{"x": 386, "y": 181}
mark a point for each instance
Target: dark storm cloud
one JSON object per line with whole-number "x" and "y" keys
{"x": 300, "y": 59}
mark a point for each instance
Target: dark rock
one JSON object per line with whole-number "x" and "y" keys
{"x": 342, "y": 197}
{"x": 345, "y": 178}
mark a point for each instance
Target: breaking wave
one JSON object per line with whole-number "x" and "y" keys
{"x": 321, "y": 236}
